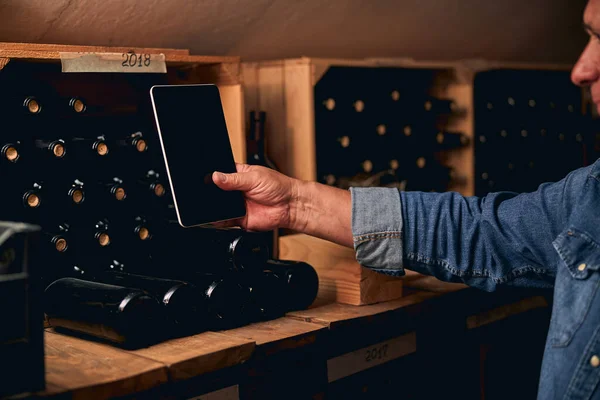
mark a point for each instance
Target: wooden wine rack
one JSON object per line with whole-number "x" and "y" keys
{"x": 289, "y": 92}
{"x": 116, "y": 103}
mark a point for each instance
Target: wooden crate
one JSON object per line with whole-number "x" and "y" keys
{"x": 285, "y": 89}
{"x": 181, "y": 68}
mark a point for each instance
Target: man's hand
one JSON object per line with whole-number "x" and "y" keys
{"x": 269, "y": 196}
{"x": 274, "y": 200}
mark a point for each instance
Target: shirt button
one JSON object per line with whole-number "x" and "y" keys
{"x": 595, "y": 361}
{"x": 581, "y": 266}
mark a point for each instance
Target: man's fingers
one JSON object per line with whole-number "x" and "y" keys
{"x": 238, "y": 181}
{"x": 243, "y": 167}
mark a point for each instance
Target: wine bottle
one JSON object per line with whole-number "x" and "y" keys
{"x": 267, "y": 295}
{"x": 126, "y": 316}
{"x": 31, "y": 105}
{"x": 94, "y": 149}
{"x": 301, "y": 282}
{"x": 94, "y": 235}
{"x": 134, "y": 237}
{"x": 57, "y": 240}
{"x": 32, "y": 196}
{"x": 11, "y": 153}
{"x": 153, "y": 184}
{"x": 184, "y": 303}
{"x": 77, "y": 105}
{"x": 232, "y": 249}
{"x": 450, "y": 140}
{"x": 257, "y": 154}
{"x": 112, "y": 190}
{"x": 439, "y": 106}
{"x": 133, "y": 143}
{"x": 225, "y": 299}
{"x": 256, "y": 143}
{"x": 51, "y": 150}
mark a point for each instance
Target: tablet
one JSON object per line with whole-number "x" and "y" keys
{"x": 195, "y": 143}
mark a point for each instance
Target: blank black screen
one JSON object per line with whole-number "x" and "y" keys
{"x": 195, "y": 143}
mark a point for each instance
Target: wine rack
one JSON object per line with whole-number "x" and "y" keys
{"x": 80, "y": 157}
{"x": 365, "y": 122}
{"x": 530, "y": 128}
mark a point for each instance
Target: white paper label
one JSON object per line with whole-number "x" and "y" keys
{"x": 369, "y": 357}
{"x": 505, "y": 311}
{"x": 228, "y": 393}
{"x": 113, "y": 62}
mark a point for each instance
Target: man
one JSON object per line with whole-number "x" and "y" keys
{"x": 547, "y": 238}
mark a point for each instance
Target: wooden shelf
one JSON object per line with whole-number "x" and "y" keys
{"x": 90, "y": 370}
{"x": 313, "y": 351}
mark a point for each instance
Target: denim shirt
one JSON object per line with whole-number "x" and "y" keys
{"x": 548, "y": 238}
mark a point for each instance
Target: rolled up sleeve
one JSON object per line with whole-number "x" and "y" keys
{"x": 377, "y": 229}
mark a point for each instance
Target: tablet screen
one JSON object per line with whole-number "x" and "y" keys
{"x": 195, "y": 142}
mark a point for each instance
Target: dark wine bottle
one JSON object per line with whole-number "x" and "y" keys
{"x": 440, "y": 106}
{"x": 135, "y": 237}
{"x": 184, "y": 303}
{"x": 112, "y": 190}
{"x": 10, "y": 153}
{"x": 256, "y": 143}
{"x": 77, "y": 105}
{"x": 233, "y": 249}
{"x": 51, "y": 149}
{"x": 450, "y": 140}
{"x": 32, "y": 196}
{"x": 225, "y": 299}
{"x": 267, "y": 295}
{"x": 57, "y": 241}
{"x": 301, "y": 282}
{"x": 126, "y": 316}
{"x": 153, "y": 185}
{"x": 31, "y": 105}
{"x": 90, "y": 149}
{"x": 95, "y": 235}
{"x": 133, "y": 143}
{"x": 257, "y": 154}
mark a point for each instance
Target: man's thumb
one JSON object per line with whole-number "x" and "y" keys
{"x": 236, "y": 181}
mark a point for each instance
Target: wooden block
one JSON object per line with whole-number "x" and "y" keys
{"x": 192, "y": 356}
{"x": 341, "y": 278}
{"x": 90, "y": 370}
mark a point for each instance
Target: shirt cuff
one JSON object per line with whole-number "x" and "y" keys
{"x": 377, "y": 229}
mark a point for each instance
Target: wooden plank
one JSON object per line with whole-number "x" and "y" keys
{"x": 271, "y": 99}
{"x": 299, "y": 130}
{"x": 278, "y": 334}
{"x": 337, "y": 316}
{"x": 341, "y": 278}
{"x": 233, "y": 108}
{"x": 505, "y": 311}
{"x": 89, "y": 370}
{"x": 94, "y": 49}
{"x": 192, "y": 356}
{"x": 171, "y": 59}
